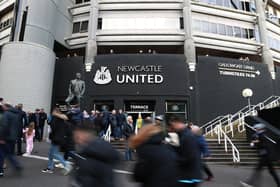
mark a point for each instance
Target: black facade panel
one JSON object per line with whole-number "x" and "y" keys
{"x": 221, "y": 81}
{"x": 168, "y": 75}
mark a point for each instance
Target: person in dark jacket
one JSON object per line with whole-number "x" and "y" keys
{"x": 205, "y": 153}
{"x": 59, "y": 140}
{"x": 189, "y": 161}
{"x": 8, "y": 136}
{"x": 76, "y": 115}
{"x": 95, "y": 160}
{"x": 114, "y": 125}
{"x": 121, "y": 118}
{"x": 260, "y": 141}
{"x": 156, "y": 165}
{"x": 43, "y": 118}
{"x": 128, "y": 132}
{"x": 23, "y": 124}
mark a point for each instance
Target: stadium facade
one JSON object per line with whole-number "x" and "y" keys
{"x": 190, "y": 57}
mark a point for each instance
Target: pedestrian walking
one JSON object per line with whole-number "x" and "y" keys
{"x": 128, "y": 132}
{"x": 95, "y": 160}
{"x": 58, "y": 137}
{"x": 121, "y": 118}
{"x": 260, "y": 141}
{"x": 189, "y": 161}
{"x": 42, "y": 121}
{"x": 114, "y": 125}
{"x": 156, "y": 164}
{"x": 22, "y": 124}
{"x": 29, "y": 137}
{"x": 8, "y": 135}
{"x": 204, "y": 151}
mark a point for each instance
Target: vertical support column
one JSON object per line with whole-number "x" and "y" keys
{"x": 91, "y": 49}
{"x": 266, "y": 53}
{"x": 189, "y": 46}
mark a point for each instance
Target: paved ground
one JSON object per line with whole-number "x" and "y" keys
{"x": 225, "y": 176}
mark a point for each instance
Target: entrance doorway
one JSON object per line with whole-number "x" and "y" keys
{"x": 140, "y": 109}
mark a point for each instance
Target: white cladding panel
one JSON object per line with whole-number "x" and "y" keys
{"x": 140, "y": 20}
{"x": 33, "y": 89}
{"x": 47, "y": 21}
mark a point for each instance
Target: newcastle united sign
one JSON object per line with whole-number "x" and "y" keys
{"x": 138, "y": 74}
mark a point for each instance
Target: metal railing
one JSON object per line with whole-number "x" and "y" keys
{"x": 222, "y": 135}
{"x": 239, "y": 116}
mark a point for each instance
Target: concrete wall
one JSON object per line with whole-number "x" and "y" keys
{"x": 48, "y": 20}
{"x": 26, "y": 75}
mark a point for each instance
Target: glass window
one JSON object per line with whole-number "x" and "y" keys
{"x": 79, "y": 1}
{"x": 220, "y": 2}
{"x": 196, "y": 25}
{"x": 205, "y": 26}
{"x": 237, "y": 32}
{"x": 229, "y": 30}
{"x": 1, "y": 25}
{"x": 213, "y": 28}
{"x": 84, "y": 26}
{"x": 181, "y": 23}
{"x": 76, "y": 27}
{"x": 244, "y": 33}
{"x": 99, "y": 24}
{"x": 222, "y": 29}
{"x": 86, "y": 1}
{"x": 251, "y": 33}
{"x": 178, "y": 108}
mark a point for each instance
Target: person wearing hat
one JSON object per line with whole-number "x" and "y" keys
{"x": 259, "y": 141}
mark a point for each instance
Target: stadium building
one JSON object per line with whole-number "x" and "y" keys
{"x": 190, "y": 57}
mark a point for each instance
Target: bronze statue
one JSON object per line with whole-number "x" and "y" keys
{"x": 76, "y": 89}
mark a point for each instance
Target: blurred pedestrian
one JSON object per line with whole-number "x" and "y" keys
{"x": 205, "y": 153}
{"x": 121, "y": 118}
{"x": 156, "y": 164}
{"x": 260, "y": 141}
{"x": 42, "y": 121}
{"x": 92, "y": 116}
{"x": 95, "y": 160}
{"x": 22, "y": 118}
{"x": 189, "y": 161}
{"x": 128, "y": 132}
{"x": 29, "y": 137}
{"x": 114, "y": 125}
{"x": 8, "y": 136}
{"x": 58, "y": 137}
{"x": 75, "y": 115}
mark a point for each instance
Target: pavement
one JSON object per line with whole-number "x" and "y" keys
{"x": 225, "y": 176}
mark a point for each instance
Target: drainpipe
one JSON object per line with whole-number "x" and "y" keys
{"x": 91, "y": 48}
{"x": 189, "y": 46}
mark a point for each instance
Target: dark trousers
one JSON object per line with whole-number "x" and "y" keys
{"x": 19, "y": 146}
{"x": 41, "y": 132}
{"x": 264, "y": 161}
{"x": 37, "y": 133}
{"x": 7, "y": 151}
{"x": 207, "y": 170}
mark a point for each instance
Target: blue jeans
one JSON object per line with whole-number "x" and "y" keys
{"x": 7, "y": 151}
{"x": 128, "y": 154}
{"x": 117, "y": 132}
{"x": 55, "y": 154}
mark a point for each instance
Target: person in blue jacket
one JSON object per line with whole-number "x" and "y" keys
{"x": 205, "y": 153}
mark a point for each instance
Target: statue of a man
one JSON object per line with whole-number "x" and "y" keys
{"x": 76, "y": 89}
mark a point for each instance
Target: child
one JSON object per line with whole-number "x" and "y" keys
{"x": 29, "y": 136}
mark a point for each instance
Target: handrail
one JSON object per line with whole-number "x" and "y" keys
{"x": 268, "y": 138}
{"x": 235, "y": 153}
{"x": 228, "y": 120}
{"x": 212, "y": 121}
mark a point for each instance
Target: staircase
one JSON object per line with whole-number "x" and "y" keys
{"x": 231, "y": 128}
{"x": 248, "y": 155}
{"x": 120, "y": 146}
